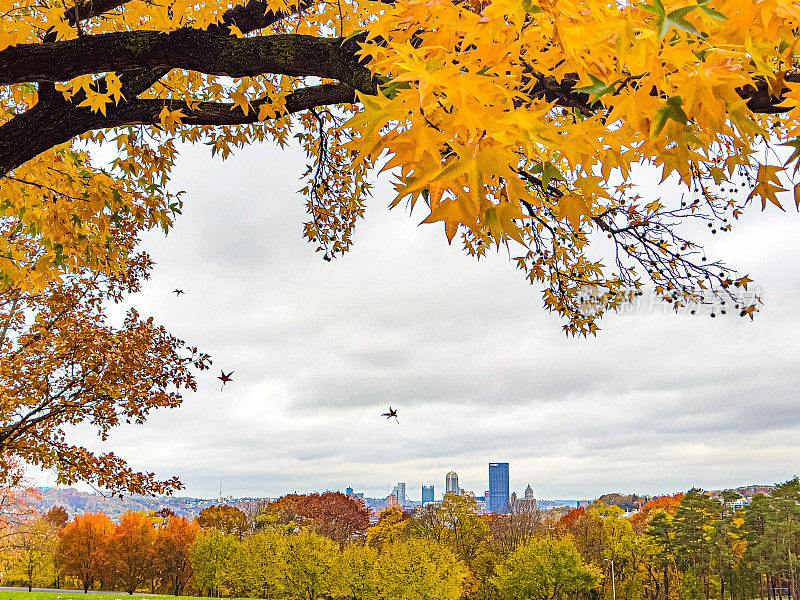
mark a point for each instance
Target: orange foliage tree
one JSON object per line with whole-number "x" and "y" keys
{"x": 171, "y": 557}
{"x": 62, "y": 362}
{"x": 641, "y": 519}
{"x": 332, "y": 514}
{"x": 83, "y": 547}
{"x": 130, "y": 551}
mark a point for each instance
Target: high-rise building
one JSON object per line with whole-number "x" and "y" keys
{"x": 400, "y": 493}
{"x": 348, "y": 491}
{"x": 427, "y": 494}
{"x": 451, "y": 483}
{"x": 498, "y": 488}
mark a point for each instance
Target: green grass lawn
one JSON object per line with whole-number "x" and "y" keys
{"x": 79, "y": 595}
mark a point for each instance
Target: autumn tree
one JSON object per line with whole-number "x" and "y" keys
{"x": 308, "y": 566}
{"x": 356, "y": 573}
{"x": 545, "y": 569}
{"x": 393, "y": 525}
{"x": 212, "y": 555}
{"x": 17, "y": 496}
{"x": 517, "y": 123}
{"x": 226, "y": 519}
{"x": 515, "y": 527}
{"x": 57, "y": 516}
{"x": 62, "y": 363}
{"x": 258, "y": 564}
{"x": 83, "y": 548}
{"x": 131, "y": 551}
{"x": 332, "y": 514}
{"x": 33, "y": 548}
{"x": 171, "y": 559}
{"x": 419, "y": 569}
{"x": 465, "y": 528}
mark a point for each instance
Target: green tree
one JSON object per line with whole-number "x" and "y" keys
{"x": 34, "y": 546}
{"x": 545, "y": 570}
{"x": 772, "y": 530}
{"x": 661, "y": 530}
{"x": 416, "y": 569}
{"x": 393, "y": 524}
{"x": 307, "y": 569}
{"x": 356, "y": 573}
{"x": 212, "y": 554}
{"x": 694, "y": 531}
{"x": 258, "y": 564}
{"x": 465, "y": 528}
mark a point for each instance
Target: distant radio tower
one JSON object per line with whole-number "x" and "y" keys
{"x": 220, "y": 489}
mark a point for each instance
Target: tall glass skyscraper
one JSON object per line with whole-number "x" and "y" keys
{"x": 400, "y": 493}
{"x": 498, "y": 488}
{"x": 427, "y": 494}
{"x": 451, "y": 483}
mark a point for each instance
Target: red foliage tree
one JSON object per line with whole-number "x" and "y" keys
{"x": 171, "y": 559}
{"x": 569, "y": 521}
{"x": 83, "y": 548}
{"x": 57, "y": 517}
{"x": 332, "y": 514}
{"x": 131, "y": 550}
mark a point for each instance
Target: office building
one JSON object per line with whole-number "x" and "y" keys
{"x": 399, "y": 492}
{"x": 427, "y": 494}
{"x": 451, "y": 483}
{"x": 348, "y": 491}
{"x": 498, "y": 488}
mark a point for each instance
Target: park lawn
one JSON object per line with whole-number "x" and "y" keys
{"x": 79, "y": 595}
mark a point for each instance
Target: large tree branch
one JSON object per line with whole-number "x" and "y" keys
{"x": 44, "y": 126}
{"x": 189, "y": 49}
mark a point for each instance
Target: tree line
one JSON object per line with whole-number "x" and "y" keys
{"x": 691, "y": 546}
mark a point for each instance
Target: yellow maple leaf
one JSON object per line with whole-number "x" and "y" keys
{"x": 572, "y": 207}
{"x": 114, "y": 86}
{"x": 768, "y": 185}
{"x": 453, "y": 214}
{"x": 96, "y": 102}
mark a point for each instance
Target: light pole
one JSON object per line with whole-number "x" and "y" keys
{"x": 613, "y": 582}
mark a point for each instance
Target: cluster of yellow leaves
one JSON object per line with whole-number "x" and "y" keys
{"x": 477, "y": 118}
{"x": 466, "y": 123}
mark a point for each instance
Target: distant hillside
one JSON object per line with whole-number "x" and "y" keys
{"x": 76, "y": 502}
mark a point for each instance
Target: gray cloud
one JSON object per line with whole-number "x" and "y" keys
{"x": 655, "y": 404}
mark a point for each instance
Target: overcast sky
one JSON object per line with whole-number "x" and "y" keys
{"x": 478, "y": 371}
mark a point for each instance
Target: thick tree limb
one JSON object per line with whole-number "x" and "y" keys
{"x": 47, "y": 125}
{"x": 189, "y": 49}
